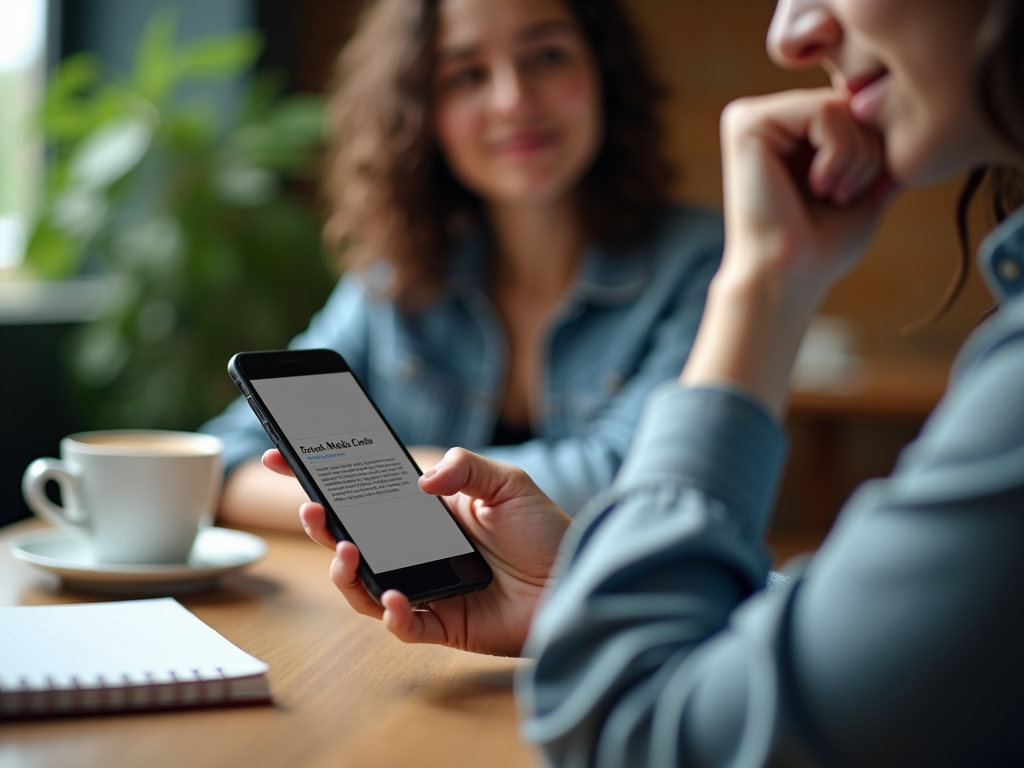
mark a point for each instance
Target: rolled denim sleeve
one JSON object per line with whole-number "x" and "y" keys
{"x": 898, "y": 644}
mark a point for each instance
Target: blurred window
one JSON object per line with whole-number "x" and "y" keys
{"x": 22, "y": 73}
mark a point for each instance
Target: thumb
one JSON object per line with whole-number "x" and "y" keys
{"x": 273, "y": 459}
{"x": 475, "y": 476}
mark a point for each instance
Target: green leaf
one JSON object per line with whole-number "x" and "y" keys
{"x": 50, "y": 252}
{"x": 244, "y": 185}
{"x": 62, "y": 116}
{"x": 222, "y": 56}
{"x": 285, "y": 138}
{"x": 75, "y": 75}
{"x": 264, "y": 89}
{"x": 68, "y": 123}
{"x": 300, "y": 119}
{"x": 157, "y": 64}
{"x": 194, "y": 213}
{"x": 191, "y": 130}
{"x": 110, "y": 152}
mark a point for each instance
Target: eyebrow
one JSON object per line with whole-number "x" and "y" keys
{"x": 545, "y": 28}
{"x": 533, "y": 32}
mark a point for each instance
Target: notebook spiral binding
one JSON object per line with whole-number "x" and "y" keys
{"x": 132, "y": 696}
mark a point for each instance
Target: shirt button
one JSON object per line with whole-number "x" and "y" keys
{"x": 1008, "y": 270}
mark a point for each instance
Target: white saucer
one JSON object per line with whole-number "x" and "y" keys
{"x": 217, "y": 551}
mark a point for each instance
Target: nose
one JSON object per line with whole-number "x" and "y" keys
{"x": 508, "y": 89}
{"x": 803, "y": 33}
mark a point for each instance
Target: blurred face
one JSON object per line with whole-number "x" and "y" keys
{"x": 517, "y": 109}
{"x": 906, "y": 65}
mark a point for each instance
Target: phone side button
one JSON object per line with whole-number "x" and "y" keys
{"x": 259, "y": 415}
{"x": 270, "y": 434}
{"x": 256, "y": 409}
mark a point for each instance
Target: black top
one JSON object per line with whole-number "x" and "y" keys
{"x": 510, "y": 434}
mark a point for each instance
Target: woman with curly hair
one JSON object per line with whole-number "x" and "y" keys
{"x": 516, "y": 281}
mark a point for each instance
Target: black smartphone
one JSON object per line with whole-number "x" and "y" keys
{"x": 348, "y": 459}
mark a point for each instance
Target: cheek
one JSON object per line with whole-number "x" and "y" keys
{"x": 575, "y": 102}
{"x": 870, "y": 16}
{"x": 575, "y": 97}
{"x": 457, "y": 125}
{"x": 933, "y": 137}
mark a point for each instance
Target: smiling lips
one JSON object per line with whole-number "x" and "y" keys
{"x": 525, "y": 144}
{"x": 866, "y": 92}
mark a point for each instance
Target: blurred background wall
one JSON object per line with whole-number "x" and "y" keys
{"x": 846, "y": 425}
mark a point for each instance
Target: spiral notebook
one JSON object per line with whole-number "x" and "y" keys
{"x": 119, "y": 657}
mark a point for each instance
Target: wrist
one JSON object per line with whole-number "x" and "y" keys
{"x": 753, "y": 323}
{"x": 771, "y": 283}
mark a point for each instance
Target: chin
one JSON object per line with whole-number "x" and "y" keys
{"x": 923, "y": 158}
{"x": 913, "y": 165}
{"x": 532, "y": 191}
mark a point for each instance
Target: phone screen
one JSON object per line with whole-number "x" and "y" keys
{"x": 362, "y": 470}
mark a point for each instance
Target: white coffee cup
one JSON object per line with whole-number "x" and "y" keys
{"x": 135, "y": 496}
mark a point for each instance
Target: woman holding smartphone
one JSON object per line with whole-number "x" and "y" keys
{"x": 899, "y": 643}
{"x": 516, "y": 281}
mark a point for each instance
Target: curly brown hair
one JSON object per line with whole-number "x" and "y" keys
{"x": 391, "y": 194}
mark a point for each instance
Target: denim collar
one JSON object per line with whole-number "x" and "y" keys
{"x": 1001, "y": 257}
{"x": 605, "y": 278}
{"x": 612, "y": 278}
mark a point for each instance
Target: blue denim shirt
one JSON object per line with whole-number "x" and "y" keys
{"x": 901, "y": 643}
{"x": 438, "y": 375}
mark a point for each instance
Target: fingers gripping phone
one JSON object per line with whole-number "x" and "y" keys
{"x": 347, "y": 458}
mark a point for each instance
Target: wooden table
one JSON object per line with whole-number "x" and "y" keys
{"x": 345, "y": 692}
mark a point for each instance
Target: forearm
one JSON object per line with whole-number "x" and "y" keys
{"x": 789, "y": 238}
{"x": 253, "y": 495}
{"x": 750, "y": 334}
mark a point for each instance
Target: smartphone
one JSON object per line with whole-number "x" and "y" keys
{"x": 348, "y": 459}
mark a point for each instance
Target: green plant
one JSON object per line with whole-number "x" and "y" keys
{"x": 196, "y": 217}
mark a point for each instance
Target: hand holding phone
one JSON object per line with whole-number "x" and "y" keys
{"x": 512, "y": 522}
{"x": 346, "y": 457}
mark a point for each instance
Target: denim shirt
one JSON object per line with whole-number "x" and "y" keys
{"x": 438, "y": 375}
{"x": 900, "y": 643}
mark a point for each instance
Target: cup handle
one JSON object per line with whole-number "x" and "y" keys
{"x": 33, "y": 487}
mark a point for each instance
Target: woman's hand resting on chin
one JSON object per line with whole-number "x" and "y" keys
{"x": 514, "y": 525}
{"x": 805, "y": 185}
